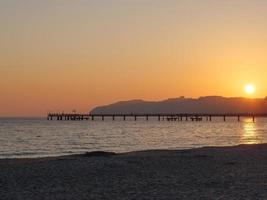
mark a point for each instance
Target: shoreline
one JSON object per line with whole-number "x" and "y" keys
{"x": 232, "y": 172}
{"x": 150, "y": 151}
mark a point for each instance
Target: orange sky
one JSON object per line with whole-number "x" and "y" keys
{"x": 64, "y": 54}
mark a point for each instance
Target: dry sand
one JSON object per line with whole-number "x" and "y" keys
{"x": 207, "y": 173}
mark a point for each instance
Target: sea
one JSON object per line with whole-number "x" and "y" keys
{"x": 37, "y": 137}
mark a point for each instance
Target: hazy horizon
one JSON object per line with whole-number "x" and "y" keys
{"x": 62, "y": 55}
{"x": 43, "y": 115}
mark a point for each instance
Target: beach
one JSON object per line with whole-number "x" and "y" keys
{"x": 238, "y": 172}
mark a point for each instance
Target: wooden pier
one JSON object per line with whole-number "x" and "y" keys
{"x": 160, "y": 117}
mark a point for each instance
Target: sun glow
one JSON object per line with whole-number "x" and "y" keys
{"x": 249, "y": 89}
{"x": 249, "y": 134}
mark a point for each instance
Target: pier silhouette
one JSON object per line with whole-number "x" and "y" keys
{"x": 161, "y": 117}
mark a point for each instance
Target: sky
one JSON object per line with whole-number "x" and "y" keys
{"x": 61, "y": 55}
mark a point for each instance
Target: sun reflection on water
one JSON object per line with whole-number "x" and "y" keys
{"x": 249, "y": 134}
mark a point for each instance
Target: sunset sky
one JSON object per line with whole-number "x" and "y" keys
{"x": 60, "y": 55}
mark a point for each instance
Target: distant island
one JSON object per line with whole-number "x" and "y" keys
{"x": 208, "y": 105}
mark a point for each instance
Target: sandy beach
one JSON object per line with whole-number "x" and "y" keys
{"x": 207, "y": 173}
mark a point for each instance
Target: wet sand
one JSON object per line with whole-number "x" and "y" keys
{"x": 206, "y": 173}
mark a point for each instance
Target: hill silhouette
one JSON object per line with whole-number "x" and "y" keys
{"x": 208, "y": 105}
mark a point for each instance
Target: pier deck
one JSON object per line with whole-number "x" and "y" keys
{"x": 160, "y": 117}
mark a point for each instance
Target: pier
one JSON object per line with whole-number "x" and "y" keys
{"x": 160, "y": 117}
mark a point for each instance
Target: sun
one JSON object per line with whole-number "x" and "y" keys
{"x": 249, "y": 89}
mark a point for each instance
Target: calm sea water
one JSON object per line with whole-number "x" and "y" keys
{"x": 41, "y": 138}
